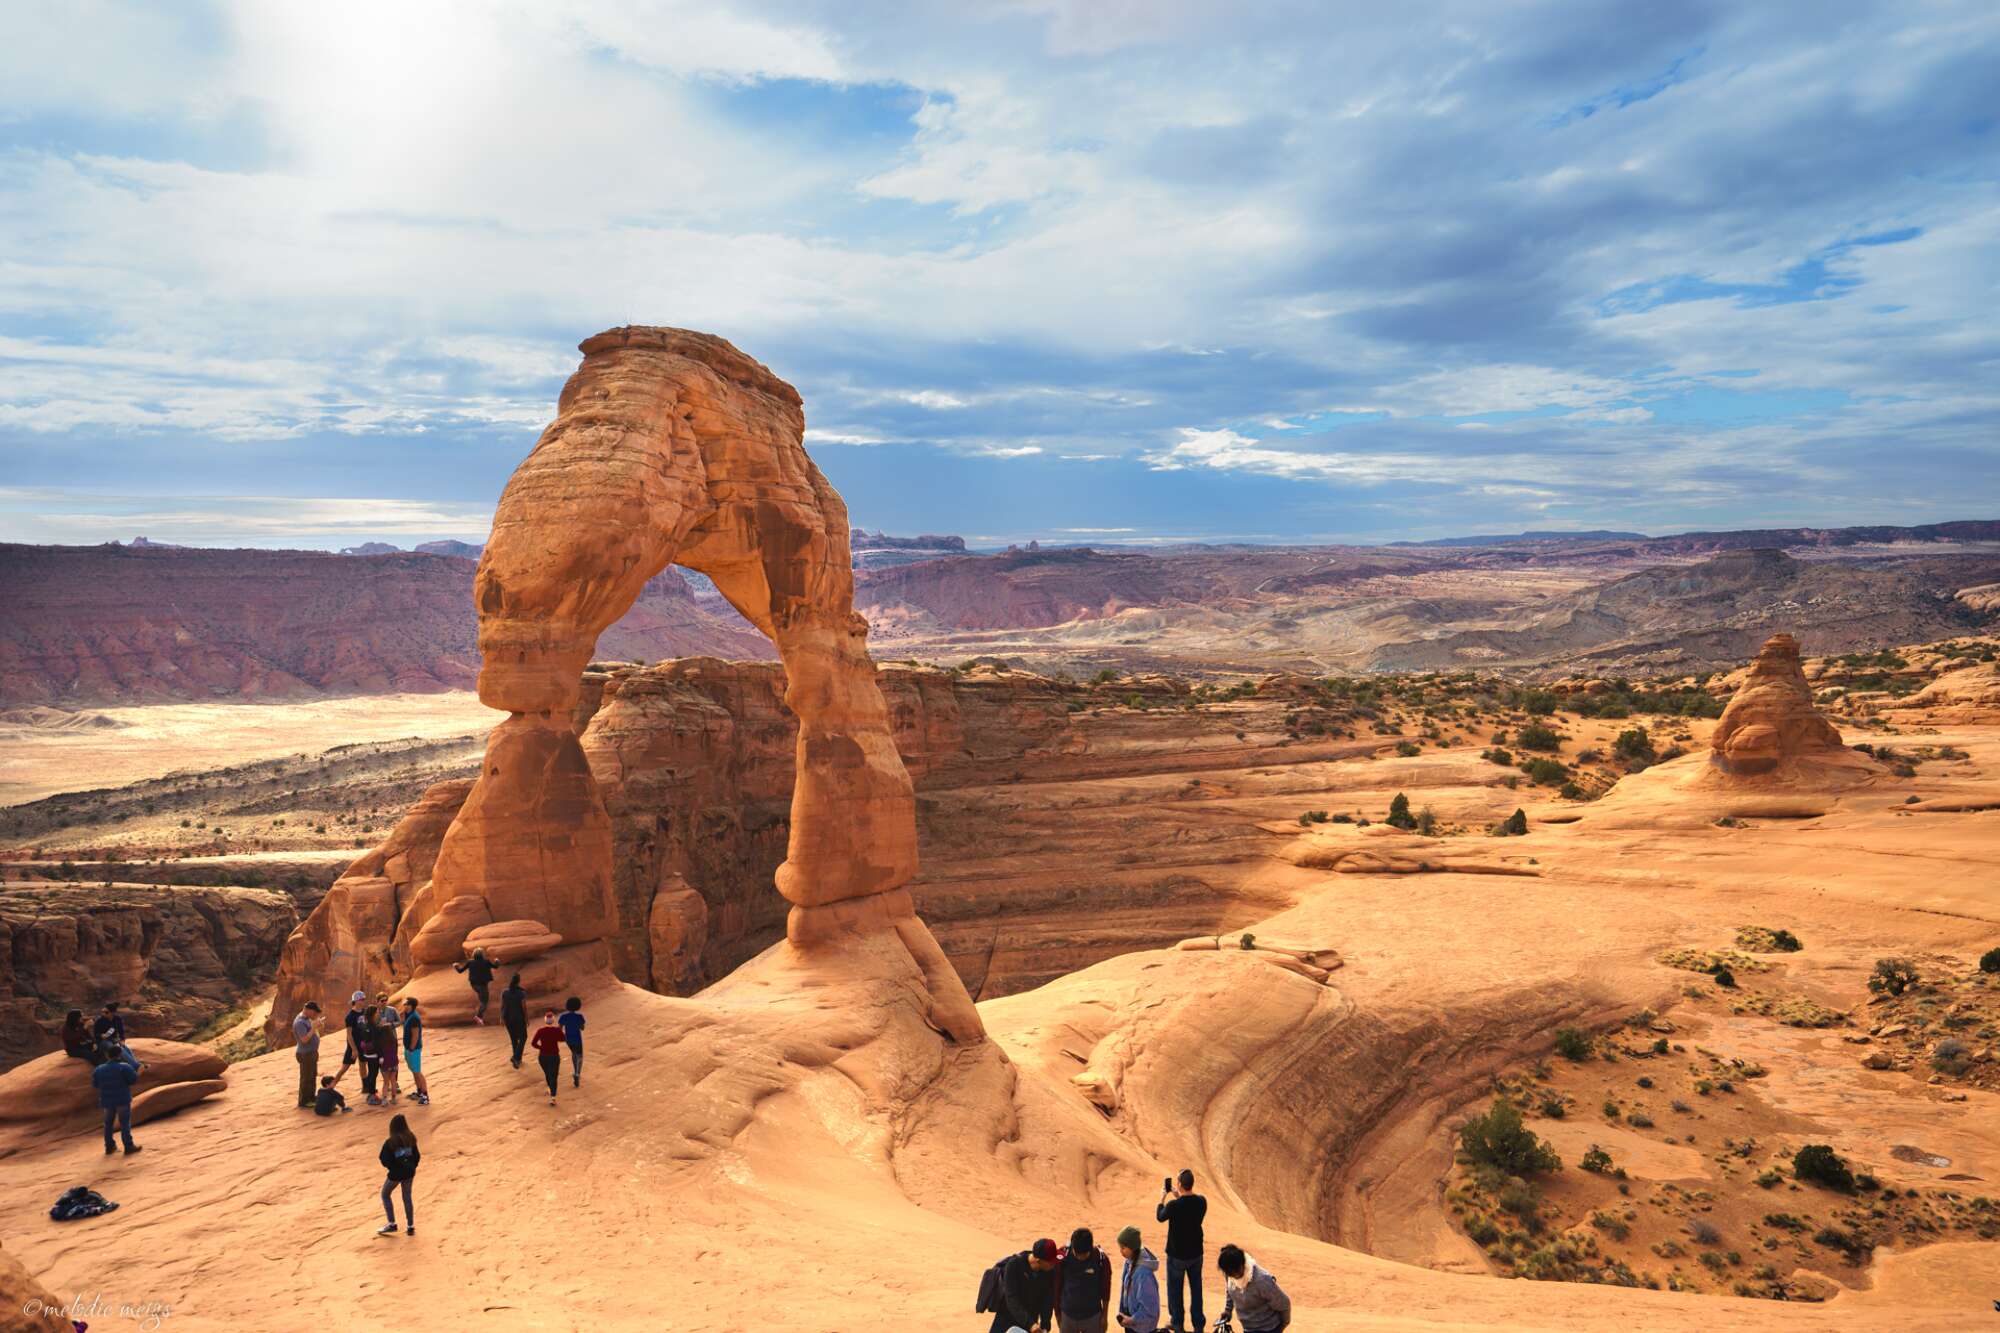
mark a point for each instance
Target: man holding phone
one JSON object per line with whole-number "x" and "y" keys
{"x": 1182, "y": 1210}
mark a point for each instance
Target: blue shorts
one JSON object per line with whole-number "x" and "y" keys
{"x": 415, "y": 1060}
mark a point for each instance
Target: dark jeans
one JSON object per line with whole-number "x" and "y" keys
{"x": 389, "y": 1206}
{"x": 308, "y": 1075}
{"x": 551, "y": 1067}
{"x": 120, "y": 1118}
{"x": 576, "y": 1061}
{"x": 1175, "y": 1269}
{"x": 480, "y": 991}
{"x": 519, "y": 1036}
{"x": 370, "y": 1067}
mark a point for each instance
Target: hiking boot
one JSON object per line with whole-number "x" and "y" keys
{"x": 131, "y": 1148}
{"x": 389, "y": 1230}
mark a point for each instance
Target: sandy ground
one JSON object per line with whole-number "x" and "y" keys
{"x": 153, "y": 740}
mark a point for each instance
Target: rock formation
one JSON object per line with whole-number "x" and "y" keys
{"x": 55, "y": 1089}
{"x": 1771, "y": 722}
{"x": 668, "y": 447}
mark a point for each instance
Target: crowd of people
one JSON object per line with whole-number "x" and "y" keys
{"x": 1048, "y": 1288}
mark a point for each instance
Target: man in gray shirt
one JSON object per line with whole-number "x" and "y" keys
{"x": 305, "y": 1032}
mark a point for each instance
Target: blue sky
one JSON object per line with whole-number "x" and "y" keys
{"x": 1140, "y": 271}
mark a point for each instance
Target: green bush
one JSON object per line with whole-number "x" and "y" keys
{"x": 1498, "y": 1139}
{"x": 1505, "y": 759}
{"x": 1990, "y": 961}
{"x": 1399, "y": 813}
{"x": 1572, "y": 1044}
{"x": 1635, "y": 745}
{"x": 1821, "y": 1165}
{"x": 1515, "y": 825}
{"x": 1893, "y": 976}
{"x": 1539, "y": 738}
{"x": 1596, "y": 1161}
{"x": 1547, "y": 772}
{"x": 1408, "y": 748}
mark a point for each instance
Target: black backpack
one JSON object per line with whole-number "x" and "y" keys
{"x": 990, "y": 1289}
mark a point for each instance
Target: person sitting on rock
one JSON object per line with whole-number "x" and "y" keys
{"x": 1251, "y": 1294}
{"x": 114, "y": 1078}
{"x": 548, "y": 1041}
{"x": 1138, "y": 1286}
{"x": 514, "y": 1013}
{"x": 110, "y": 1025}
{"x": 479, "y": 972}
{"x": 1028, "y": 1289}
{"x": 413, "y": 1048}
{"x": 328, "y": 1099}
{"x": 571, "y": 1023}
{"x": 77, "y": 1041}
{"x": 1083, "y": 1285}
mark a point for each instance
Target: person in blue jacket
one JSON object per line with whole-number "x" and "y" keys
{"x": 1139, "y": 1286}
{"x": 114, "y": 1079}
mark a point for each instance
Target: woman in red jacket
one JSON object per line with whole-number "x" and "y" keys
{"x": 548, "y": 1044}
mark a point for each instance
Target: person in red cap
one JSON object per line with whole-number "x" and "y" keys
{"x": 1028, "y": 1289}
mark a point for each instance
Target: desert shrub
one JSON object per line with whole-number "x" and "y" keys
{"x": 1951, "y": 1056}
{"x": 1399, "y": 813}
{"x": 1482, "y": 1230}
{"x": 1645, "y": 1082}
{"x": 1569, "y": 791}
{"x": 1539, "y": 738}
{"x": 1408, "y": 748}
{"x": 1514, "y": 825}
{"x": 1247, "y": 942}
{"x": 1659, "y": 1046}
{"x": 1553, "y": 1108}
{"x": 1702, "y": 1233}
{"x": 1496, "y": 755}
{"x": 1427, "y": 822}
{"x": 1610, "y": 1224}
{"x": 1314, "y": 817}
{"x": 1893, "y": 976}
{"x": 1546, "y": 772}
{"x": 1634, "y": 745}
{"x": 1639, "y": 1120}
{"x": 1819, "y": 1164}
{"x": 1680, "y": 1106}
{"x": 1499, "y": 1139}
{"x": 1610, "y": 1109}
{"x": 1990, "y": 961}
{"x": 1596, "y": 1161}
{"x": 1763, "y": 939}
{"x": 1519, "y": 1199}
{"x": 1847, "y": 1242}
{"x": 1770, "y": 1178}
{"x": 1572, "y": 1044}
{"x": 1540, "y": 703}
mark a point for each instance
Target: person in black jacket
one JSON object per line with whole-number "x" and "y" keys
{"x": 399, "y": 1157}
{"x": 514, "y": 1013}
{"x": 77, "y": 1041}
{"x": 1183, "y": 1210}
{"x": 479, "y": 971}
{"x": 1028, "y": 1289}
{"x": 1083, "y": 1285}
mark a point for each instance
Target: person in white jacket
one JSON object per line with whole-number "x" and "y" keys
{"x": 1139, "y": 1286}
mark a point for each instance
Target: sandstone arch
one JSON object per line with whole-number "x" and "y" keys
{"x": 672, "y": 447}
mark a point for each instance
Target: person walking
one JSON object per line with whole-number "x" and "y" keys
{"x": 368, "y": 1053}
{"x": 399, "y": 1157}
{"x": 479, "y": 972}
{"x": 514, "y": 1013}
{"x": 114, "y": 1078}
{"x": 388, "y": 1049}
{"x": 1138, "y": 1285}
{"x": 1028, "y": 1289}
{"x": 548, "y": 1042}
{"x": 1182, "y": 1210}
{"x": 413, "y": 1048}
{"x": 76, "y": 1038}
{"x": 1083, "y": 1285}
{"x": 571, "y": 1024}
{"x": 1251, "y": 1294}
{"x": 305, "y": 1045}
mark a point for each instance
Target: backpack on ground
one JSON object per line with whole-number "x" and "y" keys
{"x": 990, "y": 1289}
{"x": 78, "y": 1202}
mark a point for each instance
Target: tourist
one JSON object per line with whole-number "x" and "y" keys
{"x": 413, "y": 1048}
{"x": 548, "y": 1041}
{"x": 1027, "y": 1289}
{"x": 1251, "y": 1294}
{"x": 514, "y": 1013}
{"x": 1182, "y": 1210}
{"x": 571, "y": 1024}
{"x": 114, "y": 1077}
{"x": 110, "y": 1026}
{"x": 77, "y": 1041}
{"x": 1083, "y": 1285}
{"x": 305, "y": 1042}
{"x": 399, "y": 1157}
{"x": 479, "y": 972}
{"x": 328, "y": 1099}
{"x": 368, "y": 1053}
{"x": 388, "y": 1048}
{"x": 1138, "y": 1285}
{"x": 350, "y": 1052}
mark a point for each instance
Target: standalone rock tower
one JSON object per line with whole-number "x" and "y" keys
{"x": 1771, "y": 722}
{"x": 672, "y": 447}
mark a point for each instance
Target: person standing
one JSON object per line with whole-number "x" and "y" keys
{"x": 571, "y": 1024}
{"x": 1183, "y": 1210}
{"x": 1251, "y": 1294}
{"x": 114, "y": 1079}
{"x": 413, "y": 1048}
{"x": 76, "y": 1038}
{"x": 1138, "y": 1285}
{"x": 479, "y": 972}
{"x": 1028, "y": 1289}
{"x": 305, "y": 1045}
{"x": 1083, "y": 1285}
{"x": 548, "y": 1042}
{"x": 368, "y": 1052}
{"x": 388, "y": 1049}
{"x": 514, "y": 1013}
{"x": 399, "y": 1157}
{"x": 350, "y": 1048}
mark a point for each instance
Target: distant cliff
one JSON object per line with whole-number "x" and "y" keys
{"x": 863, "y": 540}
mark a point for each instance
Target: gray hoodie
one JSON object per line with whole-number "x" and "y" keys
{"x": 1256, "y": 1300}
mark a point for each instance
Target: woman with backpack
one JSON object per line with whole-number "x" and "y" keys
{"x": 399, "y": 1157}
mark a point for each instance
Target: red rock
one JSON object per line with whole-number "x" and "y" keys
{"x": 171, "y": 1097}
{"x": 57, "y": 1085}
{"x": 1771, "y": 720}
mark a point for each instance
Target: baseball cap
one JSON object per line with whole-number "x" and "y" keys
{"x": 1045, "y": 1250}
{"x": 358, "y": 995}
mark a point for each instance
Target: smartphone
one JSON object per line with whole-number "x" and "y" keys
{"x": 1167, "y": 1184}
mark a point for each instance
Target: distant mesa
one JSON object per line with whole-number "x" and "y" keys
{"x": 463, "y": 550}
{"x": 371, "y": 548}
{"x": 1594, "y": 535}
{"x": 863, "y": 540}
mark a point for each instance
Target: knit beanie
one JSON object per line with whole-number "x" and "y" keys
{"x": 1129, "y": 1239}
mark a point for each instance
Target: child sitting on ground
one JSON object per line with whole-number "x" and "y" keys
{"x": 328, "y": 1099}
